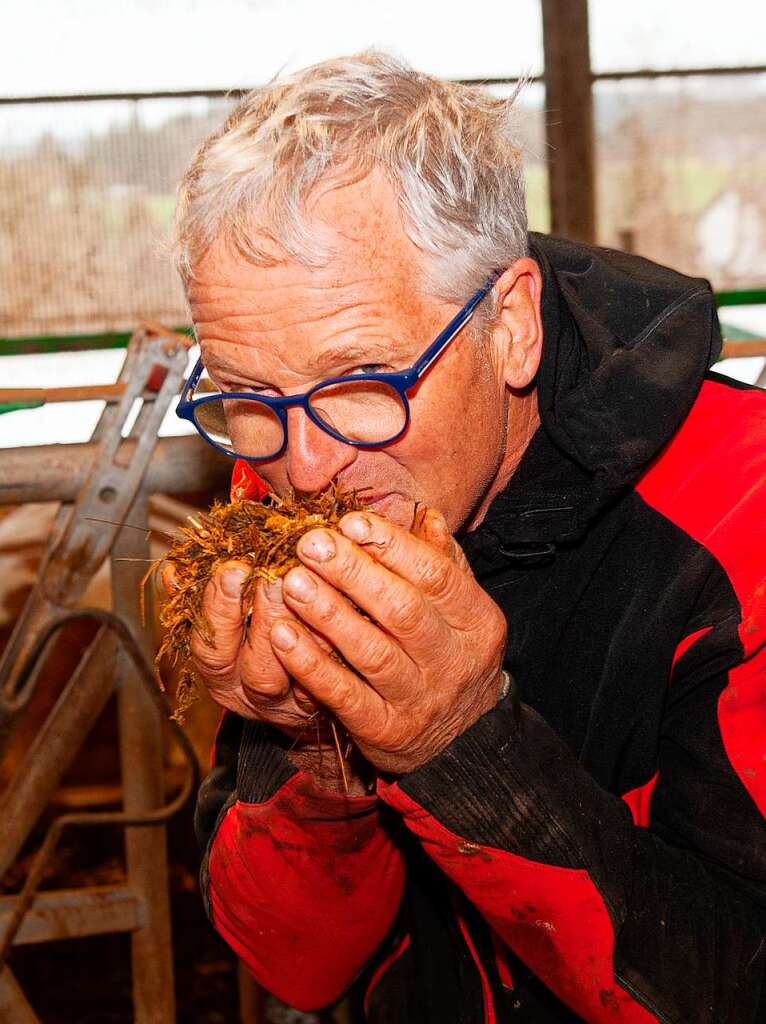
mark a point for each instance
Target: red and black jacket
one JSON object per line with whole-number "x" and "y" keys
{"x": 594, "y": 848}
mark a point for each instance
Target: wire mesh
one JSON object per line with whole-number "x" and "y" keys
{"x": 87, "y": 193}
{"x": 680, "y": 171}
{"x": 86, "y": 202}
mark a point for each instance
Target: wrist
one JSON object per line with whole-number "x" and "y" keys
{"x": 348, "y": 774}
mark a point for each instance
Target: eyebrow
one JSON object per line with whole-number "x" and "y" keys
{"x": 348, "y": 353}
{"x": 372, "y": 351}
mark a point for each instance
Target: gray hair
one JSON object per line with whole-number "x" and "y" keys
{"x": 448, "y": 149}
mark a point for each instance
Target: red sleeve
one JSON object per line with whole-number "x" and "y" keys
{"x": 553, "y": 917}
{"x": 302, "y": 883}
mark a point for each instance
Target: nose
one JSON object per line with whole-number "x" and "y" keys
{"x": 314, "y": 458}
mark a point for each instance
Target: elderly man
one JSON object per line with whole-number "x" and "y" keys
{"x": 556, "y": 809}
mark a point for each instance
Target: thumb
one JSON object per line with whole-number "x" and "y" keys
{"x": 215, "y": 642}
{"x": 431, "y": 526}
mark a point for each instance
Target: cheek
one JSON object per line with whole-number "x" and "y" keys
{"x": 455, "y": 438}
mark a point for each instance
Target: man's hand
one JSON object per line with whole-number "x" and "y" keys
{"x": 427, "y": 665}
{"x": 239, "y": 669}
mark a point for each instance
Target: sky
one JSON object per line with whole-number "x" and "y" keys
{"x": 85, "y": 46}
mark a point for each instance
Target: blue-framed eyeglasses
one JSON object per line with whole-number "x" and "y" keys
{"x": 366, "y": 410}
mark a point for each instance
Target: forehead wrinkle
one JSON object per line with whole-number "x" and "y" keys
{"x": 228, "y": 354}
{"x": 261, "y": 320}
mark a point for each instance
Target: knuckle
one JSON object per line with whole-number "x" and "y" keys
{"x": 379, "y": 658}
{"x": 329, "y": 610}
{"x": 207, "y": 655}
{"x": 341, "y": 695}
{"x": 307, "y": 658}
{"x": 408, "y": 614}
{"x": 437, "y": 577}
{"x": 264, "y": 691}
{"x": 350, "y": 569}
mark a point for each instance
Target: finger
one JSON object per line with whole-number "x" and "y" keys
{"x": 222, "y": 610}
{"x": 262, "y": 675}
{"x": 401, "y": 609}
{"x": 431, "y": 526}
{"x": 355, "y": 704}
{"x": 373, "y": 653}
{"x": 169, "y": 579}
{"x": 450, "y": 587}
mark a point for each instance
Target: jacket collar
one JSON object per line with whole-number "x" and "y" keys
{"x": 626, "y": 346}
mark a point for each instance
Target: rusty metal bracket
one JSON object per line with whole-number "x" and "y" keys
{"x": 125, "y": 437}
{"x": 156, "y": 817}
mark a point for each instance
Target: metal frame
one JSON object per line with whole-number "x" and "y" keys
{"x": 110, "y": 481}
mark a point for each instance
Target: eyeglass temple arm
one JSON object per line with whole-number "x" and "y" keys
{"x": 191, "y": 382}
{"x": 453, "y": 327}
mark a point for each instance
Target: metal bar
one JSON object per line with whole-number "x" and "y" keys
{"x": 98, "y": 97}
{"x": 152, "y": 818}
{"x": 57, "y": 472}
{"x": 73, "y": 555}
{"x": 78, "y": 393}
{"x": 747, "y": 297}
{"x": 56, "y": 745}
{"x": 607, "y": 76}
{"x": 741, "y": 349}
{"x": 569, "y": 125}
{"x": 14, "y": 1007}
{"x": 36, "y": 344}
{"x": 235, "y": 92}
{"x": 141, "y": 756}
{"x": 75, "y": 913}
{"x": 252, "y": 999}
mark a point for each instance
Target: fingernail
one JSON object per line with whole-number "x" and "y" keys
{"x": 273, "y": 590}
{"x": 283, "y": 636}
{"x": 300, "y": 585}
{"x": 231, "y": 582}
{"x": 318, "y": 545}
{"x": 356, "y": 527}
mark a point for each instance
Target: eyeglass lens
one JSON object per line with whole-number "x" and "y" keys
{"x": 364, "y": 411}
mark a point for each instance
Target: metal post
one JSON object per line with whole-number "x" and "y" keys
{"x": 14, "y": 1007}
{"x": 142, "y": 782}
{"x": 569, "y": 128}
{"x": 55, "y": 746}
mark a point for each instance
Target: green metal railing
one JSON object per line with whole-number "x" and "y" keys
{"x": 70, "y": 342}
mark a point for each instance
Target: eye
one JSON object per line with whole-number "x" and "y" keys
{"x": 368, "y": 368}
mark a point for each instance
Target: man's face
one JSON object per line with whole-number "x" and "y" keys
{"x": 286, "y": 327}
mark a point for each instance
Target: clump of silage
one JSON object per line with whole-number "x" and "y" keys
{"x": 262, "y": 536}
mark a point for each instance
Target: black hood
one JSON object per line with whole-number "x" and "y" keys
{"x": 626, "y": 345}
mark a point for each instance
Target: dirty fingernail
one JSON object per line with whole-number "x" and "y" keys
{"x": 318, "y": 545}
{"x": 300, "y": 585}
{"x": 274, "y": 591}
{"x": 356, "y": 527}
{"x": 284, "y": 636}
{"x": 231, "y": 582}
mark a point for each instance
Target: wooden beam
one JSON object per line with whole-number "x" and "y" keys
{"x": 75, "y": 913}
{"x": 736, "y": 349}
{"x": 569, "y": 119}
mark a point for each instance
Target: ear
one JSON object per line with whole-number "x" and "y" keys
{"x": 518, "y": 333}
